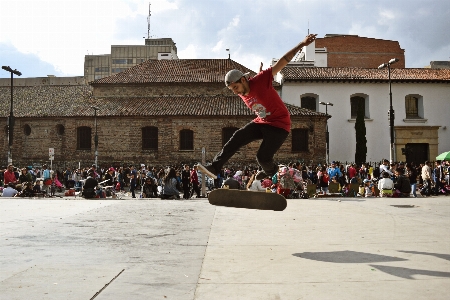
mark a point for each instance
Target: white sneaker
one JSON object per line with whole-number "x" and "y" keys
{"x": 208, "y": 170}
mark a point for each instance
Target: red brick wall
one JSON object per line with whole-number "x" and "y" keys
{"x": 361, "y": 52}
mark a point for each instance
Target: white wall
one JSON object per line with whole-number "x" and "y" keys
{"x": 436, "y": 104}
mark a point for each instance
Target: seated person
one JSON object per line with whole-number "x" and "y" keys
{"x": 37, "y": 188}
{"x": 367, "y": 188}
{"x": 402, "y": 186}
{"x": 232, "y": 183}
{"x": 149, "y": 189}
{"x": 385, "y": 185}
{"x": 9, "y": 191}
{"x": 27, "y": 191}
{"x": 90, "y": 185}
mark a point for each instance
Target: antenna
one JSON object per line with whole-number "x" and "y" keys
{"x": 148, "y": 21}
{"x": 308, "y": 26}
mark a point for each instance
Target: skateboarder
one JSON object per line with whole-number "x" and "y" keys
{"x": 272, "y": 123}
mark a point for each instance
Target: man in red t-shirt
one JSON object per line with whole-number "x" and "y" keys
{"x": 272, "y": 124}
{"x": 9, "y": 175}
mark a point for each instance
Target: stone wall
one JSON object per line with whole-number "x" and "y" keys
{"x": 120, "y": 141}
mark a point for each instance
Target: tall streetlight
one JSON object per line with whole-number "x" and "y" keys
{"x": 96, "y": 135}
{"x": 327, "y": 134}
{"x": 391, "y": 109}
{"x": 10, "y": 122}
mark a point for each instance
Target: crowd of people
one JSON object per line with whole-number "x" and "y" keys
{"x": 184, "y": 181}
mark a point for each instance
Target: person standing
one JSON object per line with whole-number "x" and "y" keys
{"x": 194, "y": 182}
{"x": 439, "y": 177}
{"x": 272, "y": 124}
{"x": 426, "y": 177}
{"x": 185, "y": 181}
{"x": 132, "y": 176}
{"x": 411, "y": 172}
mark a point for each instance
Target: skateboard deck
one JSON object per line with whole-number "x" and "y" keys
{"x": 247, "y": 199}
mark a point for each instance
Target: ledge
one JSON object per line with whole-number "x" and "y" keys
{"x": 354, "y": 120}
{"x": 415, "y": 120}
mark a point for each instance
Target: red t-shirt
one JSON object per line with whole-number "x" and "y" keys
{"x": 266, "y": 103}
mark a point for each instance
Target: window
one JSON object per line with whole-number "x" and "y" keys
{"x": 412, "y": 107}
{"x": 102, "y": 69}
{"x": 27, "y": 130}
{"x": 186, "y": 139}
{"x": 149, "y": 138}
{"x": 308, "y": 102}
{"x": 84, "y": 136}
{"x": 60, "y": 129}
{"x": 299, "y": 140}
{"x": 354, "y": 102}
{"x": 122, "y": 61}
{"x": 118, "y": 70}
{"x": 227, "y": 133}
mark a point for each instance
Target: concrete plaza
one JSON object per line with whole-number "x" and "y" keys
{"x": 356, "y": 248}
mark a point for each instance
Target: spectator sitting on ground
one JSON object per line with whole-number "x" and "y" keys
{"x": 402, "y": 186}
{"x": 385, "y": 185}
{"x": 255, "y": 185}
{"x": 27, "y": 191}
{"x": 232, "y": 183}
{"x": 37, "y": 187}
{"x": 367, "y": 188}
{"x": 10, "y": 191}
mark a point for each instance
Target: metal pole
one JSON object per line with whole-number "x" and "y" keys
{"x": 328, "y": 137}
{"x": 96, "y": 139}
{"x": 10, "y": 125}
{"x": 391, "y": 119}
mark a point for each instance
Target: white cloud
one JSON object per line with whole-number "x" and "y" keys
{"x": 190, "y": 52}
{"x": 218, "y": 47}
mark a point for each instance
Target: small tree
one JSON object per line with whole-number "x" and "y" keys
{"x": 361, "y": 141}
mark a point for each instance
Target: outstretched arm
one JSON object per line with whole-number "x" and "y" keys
{"x": 282, "y": 62}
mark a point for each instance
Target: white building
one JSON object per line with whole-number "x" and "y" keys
{"x": 421, "y": 101}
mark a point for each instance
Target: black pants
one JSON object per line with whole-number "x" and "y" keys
{"x": 272, "y": 139}
{"x": 132, "y": 188}
{"x": 187, "y": 190}
{"x": 196, "y": 189}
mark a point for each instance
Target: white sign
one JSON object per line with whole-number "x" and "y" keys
{"x": 51, "y": 151}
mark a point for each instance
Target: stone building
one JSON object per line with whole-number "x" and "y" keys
{"x": 159, "y": 112}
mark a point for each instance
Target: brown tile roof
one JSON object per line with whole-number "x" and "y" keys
{"x": 75, "y": 101}
{"x": 176, "y": 70}
{"x": 369, "y": 75}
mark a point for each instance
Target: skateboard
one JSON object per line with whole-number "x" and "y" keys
{"x": 247, "y": 199}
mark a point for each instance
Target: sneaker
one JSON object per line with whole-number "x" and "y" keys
{"x": 208, "y": 170}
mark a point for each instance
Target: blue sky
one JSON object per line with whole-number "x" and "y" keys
{"x": 41, "y": 38}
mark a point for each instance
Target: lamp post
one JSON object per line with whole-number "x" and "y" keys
{"x": 327, "y": 137}
{"x": 96, "y": 135}
{"x": 10, "y": 121}
{"x": 391, "y": 109}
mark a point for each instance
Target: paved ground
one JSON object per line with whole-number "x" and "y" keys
{"x": 151, "y": 249}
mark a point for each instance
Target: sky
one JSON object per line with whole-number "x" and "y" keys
{"x": 51, "y": 37}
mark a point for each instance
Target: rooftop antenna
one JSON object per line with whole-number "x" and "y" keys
{"x": 148, "y": 20}
{"x": 308, "y": 26}
{"x": 229, "y": 54}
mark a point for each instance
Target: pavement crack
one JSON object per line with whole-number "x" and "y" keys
{"x": 106, "y": 285}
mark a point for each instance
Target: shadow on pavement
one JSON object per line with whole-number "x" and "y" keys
{"x": 408, "y": 273}
{"x": 439, "y": 255}
{"x": 347, "y": 257}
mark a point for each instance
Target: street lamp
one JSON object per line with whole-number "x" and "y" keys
{"x": 96, "y": 135}
{"x": 10, "y": 121}
{"x": 391, "y": 109}
{"x": 327, "y": 134}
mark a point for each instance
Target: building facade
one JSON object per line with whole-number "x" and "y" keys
{"x": 159, "y": 112}
{"x": 421, "y": 101}
{"x": 123, "y": 57}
